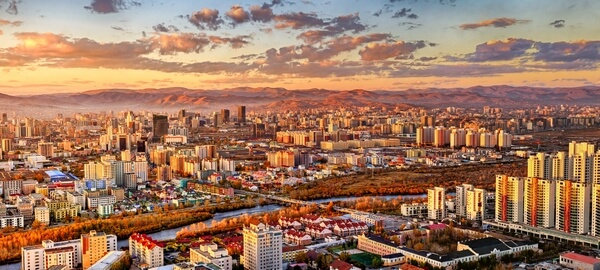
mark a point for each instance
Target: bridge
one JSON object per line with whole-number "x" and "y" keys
{"x": 300, "y": 202}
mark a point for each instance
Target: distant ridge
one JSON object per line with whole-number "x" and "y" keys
{"x": 280, "y": 99}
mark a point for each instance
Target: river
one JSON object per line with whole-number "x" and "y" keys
{"x": 171, "y": 233}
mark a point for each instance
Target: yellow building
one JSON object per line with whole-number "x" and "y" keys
{"x": 95, "y": 245}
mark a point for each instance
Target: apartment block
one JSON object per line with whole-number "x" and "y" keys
{"x": 262, "y": 247}
{"x": 509, "y": 198}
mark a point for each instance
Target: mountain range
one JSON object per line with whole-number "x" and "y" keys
{"x": 278, "y": 99}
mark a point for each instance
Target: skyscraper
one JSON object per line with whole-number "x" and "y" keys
{"x": 160, "y": 127}
{"x": 241, "y": 114}
{"x": 262, "y": 247}
{"x": 225, "y": 115}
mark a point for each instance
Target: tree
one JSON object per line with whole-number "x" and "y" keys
{"x": 345, "y": 256}
{"x": 301, "y": 257}
{"x": 377, "y": 262}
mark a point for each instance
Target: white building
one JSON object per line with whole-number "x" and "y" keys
{"x": 436, "y": 203}
{"x": 55, "y": 253}
{"x": 262, "y": 247}
{"x": 509, "y": 198}
{"x": 211, "y": 253}
{"x": 146, "y": 250}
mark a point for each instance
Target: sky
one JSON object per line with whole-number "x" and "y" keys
{"x": 77, "y": 45}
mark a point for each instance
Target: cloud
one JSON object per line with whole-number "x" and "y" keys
{"x": 405, "y": 12}
{"x": 1, "y": 33}
{"x": 235, "y": 42}
{"x": 189, "y": 42}
{"x": 12, "y": 8}
{"x": 206, "y": 19}
{"x": 500, "y": 50}
{"x": 496, "y": 22}
{"x": 410, "y": 25}
{"x": 161, "y": 27}
{"x": 111, "y": 6}
{"x": 558, "y": 23}
{"x": 238, "y": 15}
{"x": 311, "y": 53}
{"x": 47, "y": 49}
{"x": 118, "y": 28}
{"x": 261, "y": 13}
{"x": 10, "y": 23}
{"x": 48, "y": 45}
{"x": 298, "y": 20}
{"x": 582, "y": 50}
{"x": 398, "y": 50}
{"x": 335, "y": 27}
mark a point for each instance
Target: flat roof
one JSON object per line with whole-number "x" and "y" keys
{"x": 107, "y": 260}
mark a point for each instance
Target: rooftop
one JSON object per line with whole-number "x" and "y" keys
{"x": 578, "y": 257}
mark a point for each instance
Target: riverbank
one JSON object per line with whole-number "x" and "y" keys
{"x": 122, "y": 226}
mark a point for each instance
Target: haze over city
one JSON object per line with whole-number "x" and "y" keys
{"x": 71, "y": 46}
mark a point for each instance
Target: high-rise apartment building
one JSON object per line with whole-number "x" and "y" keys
{"x": 509, "y": 199}
{"x": 146, "y": 250}
{"x": 436, "y": 203}
{"x": 573, "y": 206}
{"x": 539, "y": 202}
{"x": 262, "y": 247}
{"x": 460, "y": 201}
{"x": 94, "y": 245}
{"x": 476, "y": 200}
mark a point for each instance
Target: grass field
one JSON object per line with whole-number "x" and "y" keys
{"x": 364, "y": 258}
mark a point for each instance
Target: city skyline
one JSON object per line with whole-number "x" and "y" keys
{"x": 73, "y": 46}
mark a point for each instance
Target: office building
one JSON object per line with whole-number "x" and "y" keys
{"x": 241, "y": 114}
{"x": 146, "y": 250}
{"x": 436, "y": 203}
{"x": 94, "y": 245}
{"x": 160, "y": 127}
{"x": 262, "y": 247}
{"x": 7, "y": 145}
{"x": 225, "y": 114}
{"x": 509, "y": 199}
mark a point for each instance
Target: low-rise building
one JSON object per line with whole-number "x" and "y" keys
{"x": 573, "y": 260}
{"x": 211, "y": 253}
{"x": 109, "y": 260}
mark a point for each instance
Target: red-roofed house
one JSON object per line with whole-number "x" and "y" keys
{"x": 577, "y": 261}
{"x": 341, "y": 265}
{"x": 146, "y": 250}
